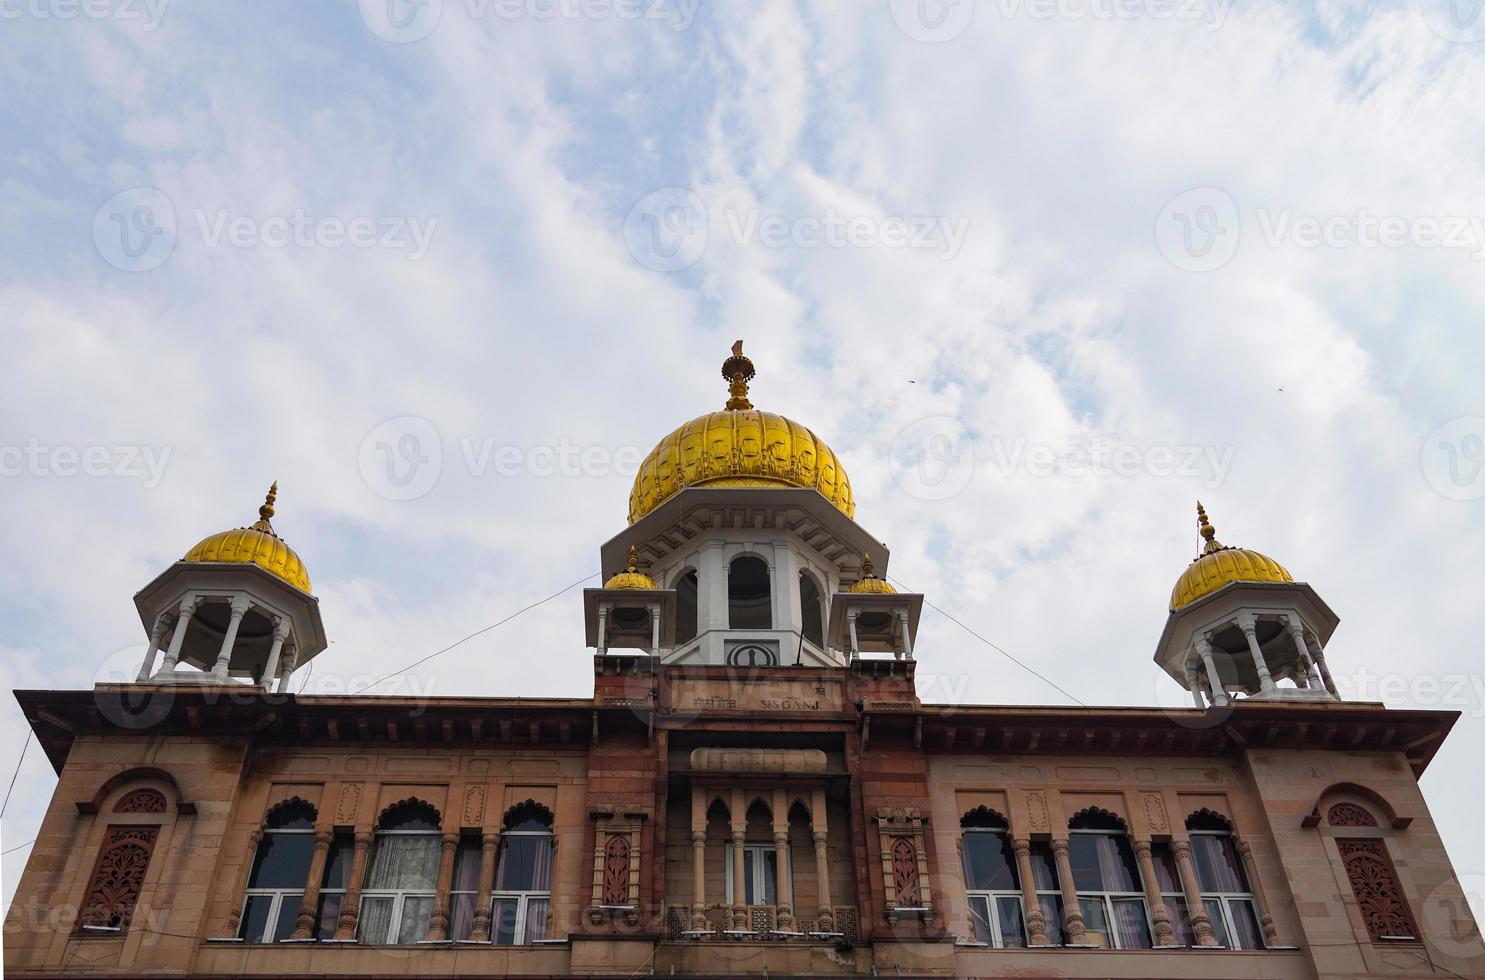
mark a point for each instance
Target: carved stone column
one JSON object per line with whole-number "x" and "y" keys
{"x": 1317, "y": 654}
{"x": 351, "y": 909}
{"x": 234, "y": 920}
{"x": 739, "y": 885}
{"x": 698, "y": 898}
{"x": 304, "y": 922}
{"x": 1036, "y": 923}
{"x": 438, "y": 919}
{"x": 1204, "y": 650}
{"x": 1201, "y": 923}
{"x": 489, "y": 844}
{"x": 1165, "y": 935}
{"x": 1193, "y": 683}
{"x": 819, "y": 832}
{"x": 286, "y": 669}
{"x": 156, "y": 635}
{"x": 178, "y": 635}
{"x": 270, "y": 666}
{"x": 1072, "y": 913}
{"x": 1249, "y": 626}
{"x": 1265, "y": 914}
{"x": 240, "y": 606}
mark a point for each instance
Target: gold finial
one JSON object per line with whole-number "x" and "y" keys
{"x": 1208, "y": 533}
{"x": 266, "y": 511}
{"x": 738, "y": 370}
{"x": 866, "y": 571}
{"x": 633, "y": 559}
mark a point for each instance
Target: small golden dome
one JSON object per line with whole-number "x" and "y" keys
{"x": 255, "y": 545}
{"x": 868, "y": 583}
{"x": 632, "y": 577}
{"x": 1218, "y": 565}
{"x": 739, "y": 447}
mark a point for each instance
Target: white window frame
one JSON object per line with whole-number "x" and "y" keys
{"x": 760, "y": 875}
{"x": 276, "y": 895}
{"x": 394, "y": 924}
{"x": 1109, "y": 898}
{"x": 522, "y": 898}
{"x": 991, "y": 896}
{"x": 1223, "y": 899}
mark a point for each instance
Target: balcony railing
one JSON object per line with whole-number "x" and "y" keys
{"x": 761, "y": 923}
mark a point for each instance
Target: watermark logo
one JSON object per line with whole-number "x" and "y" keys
{"x": 408, "y": 233}
{"x": 401, "y": 21}
{"x": 402, "y": 458}
{"x": 124, "y": 702}
{"x": 932, "y": 21}
{"x": 1453, "y": 458}
{"x": 1100, "y": 459}
{"x": 1450, "y": 916}
{"x": 35, "y": 458}
{"x": 1199, "y": 230}
{"x": 667, "y": 229}
{"x": 1458, "y": 21}
{"x": 933, "y": 459}
{"x": 134, "y": 231}
{"x": 147, "y": 12}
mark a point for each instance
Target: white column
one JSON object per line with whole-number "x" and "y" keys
{"x": 1306, "y": 661}
{"x": 178, "y": 637}
{"x": 602, "y": 629}
{"x": 654, "y": 630}
{"x": 156, "y": 634}
{"x": 788, "y": 614}
{"x": 1317, "y": 653}
{"x": 240, "y": 606}
{"x": 1249, "y": 627}
{"x": 270, "y": 669}
{"x": 1193, "y": 683}
{"x": 1204, "y": 650}
{"x": 711, "y": 580}
{"x": 851, "y": 625}
{"x": 291, "y": 657}
{"x": 907, "y": 637}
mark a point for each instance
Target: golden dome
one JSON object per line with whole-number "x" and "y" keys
{"x": 739, "y": 447}
{"x": 632, "y": 577}
{"x": 255, "y": 545}
{"x": 1218, "y": 565}
{"x": 868, "y": 583}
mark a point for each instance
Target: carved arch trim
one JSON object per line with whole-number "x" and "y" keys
{"x": 1098, "y": 811}
{"x": 1216, "y": 816}
{"x": 541, "y": 809}
{"x": 139, "y": 774}
{"x": 986, "y": 817}
{"x": 1391, "y": 815}
{"x": 414, "y": 803}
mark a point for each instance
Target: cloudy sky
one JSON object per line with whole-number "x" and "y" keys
{"x": 1043, "y": 273}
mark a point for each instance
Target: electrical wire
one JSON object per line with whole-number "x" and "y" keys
{"x": 24, "y": 747}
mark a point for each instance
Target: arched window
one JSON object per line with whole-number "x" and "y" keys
{"x": 280, "y": 866}
{"x": 991, "y": 880}
{"x": 1223, "y": 882}
{"x": 1110, "y": 892}
{"x": 401, "y": 875}
{"x": 685, "y": 607}
{"x": 812, "y": 610}
{"x": 523, "y": 876}
{"x": 119, "y": 878}
{"x": 749, "y": 594}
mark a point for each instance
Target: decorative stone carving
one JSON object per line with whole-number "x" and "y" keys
{"x": 616, "y": 870}
{"x": 349, "y": 805}
{"x": 1350, "y": 815}
{"x": 474, "y": 806}
{"x": 1036, "y": 812}
{"x": 904, "y": 873}
{"x": 119, "y": 877}
{"x": 1380, "y": 898}
{"x": 141, "y": 801}
{"x": 758, "y": 760}
{"x": 1155, "y": 814}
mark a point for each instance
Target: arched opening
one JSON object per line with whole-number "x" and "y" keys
{"x": 523, "y": 876}
{"x": 1222, "y": 879}
{"x": 280, "y": 866}
{"x": 812, "y": 610}
{"x": 749, "y": 594}
{"x": 760, "y": 867}
{"x": 1111, "y": 893}
{"x": 992, "y": 882}
{"x": 685, "y": 607}
{"x": 401, "y": 875}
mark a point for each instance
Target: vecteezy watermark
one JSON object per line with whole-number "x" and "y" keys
{"x": 402, "y": 458}
{"x": 136, "y": 230}
{"x": 932, "y": 21}
{"x": 147, "y": 12}
{"x": 933, "y": 459}
{"x": 38, "y": 459}
{"x": 1459, "y": 21}
{"x": 1453, "y": 458}
{"x": 1102, "y": 459}
{"x": 403, "y": 21}
{"x": 1199, "y": 230}
{"x": 668, "y": 230}
{"x": 1451, "y": 914}
{"x": 936, "y": 21}
{"x": 1454, "y": 690}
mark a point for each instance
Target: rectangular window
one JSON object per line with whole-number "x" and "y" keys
{"x": 1226, "y": 893}
{"x": 1172, "y": 894}
{"x": 994, "y": 888}
{"x": 523, "y": 888}
{"x": 276, "y": 885}
{"x": 465, "y": 888}
{"x": 1110, "y": 893}
{"x": 332, "y": 885}
{"x": 760, "y": 875}
{"x": 401, "y": 877}
{"x": 1048, "y": 889}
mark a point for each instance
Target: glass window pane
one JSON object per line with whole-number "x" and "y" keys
{"x": 413, "y": 926}
{"x": 1180, "y": 921}
{"x": 404, "y": 862}
{"x": 1219, "y": 924}
{"x": 770, "y": 873}
{"x": 329, "y": 914}
{"x": 282, "y": 861}
{"x": 1167, "y": 875}
{"x": 536, "y": 919}
{"x": 1120, "y": 871}
{"x": 1246, "y": 932}
{"x": 1082, "y": 853}
{"x": 810, "y": 608}
{"x": 748, "y": 876}
{"x": 989, "y": 863}
{"x": 467, "y": 864}
{"x": 1133, "y": 926}
{"x": 979, "y": 919}
{"x": 288, "y": 912}
{"x": 1218, "y": 867}
{"x": 503, "y": 921}
{"x": 1095, "y": 922}
{"x": 255, "y": 918}
{"x": 1051, "y": 906}
{"x": 375, "y": 919}
{"x": 461, "y": 915}
{"x": 1012, "y": 931}
{"x": 525, "y": 864}
{"x": 338, "y": 862}
{"x": 1043, "y": 867}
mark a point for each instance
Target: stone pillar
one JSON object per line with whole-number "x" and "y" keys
{"x": 304, "y": 922}
{"x": 783, "y": 570}
{"x": 438, "y": 919}
{"x": 234, "y": 920}
{"x": 1249, "y": 626}
{"x": 782, "y": 884}
{"x": 1073, "y": 932}
{"x": 1265, "y": 914}
{"x": 1201, "y": 923}
{"x": 851, "y": 627}
{"x": 819, "y": 833}
{"x": 156, "y": 635}
{"x": 240, "y": 606}
{"x": 489, "y": 843}
{"x": 1317, "y": 654}
{"x": 290, "y": 661}
{"x": 739, "y": 883}
{"x": 1204, "y": 650}
{"x": 188, "y": 609}
{"x": 270, "y": 667}
{"x": 711, "y": 581}
{"x": 350, "y": 909}
{"x": 1165, "y": 935}
{"x": 907, "y": 636}
{"x": 699, "y": 802}
{"x": 654, "y": 630}
{"x": 602, "y": 629}
{"x": 1193, "y": 683}
{"x": 1036, "y": 923}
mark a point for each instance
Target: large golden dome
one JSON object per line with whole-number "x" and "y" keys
{"x": 739, "y": 447}
{"x": 255, "y": 545}
{"x": 1219, "y": 565}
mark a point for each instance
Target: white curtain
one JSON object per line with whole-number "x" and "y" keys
{"x": 404, "y": 862}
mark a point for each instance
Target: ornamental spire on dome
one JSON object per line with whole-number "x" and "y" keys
{"x": 738, "y": 370}
{"x": 1208, "y": 533}
{"x": 266, "y": 511}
